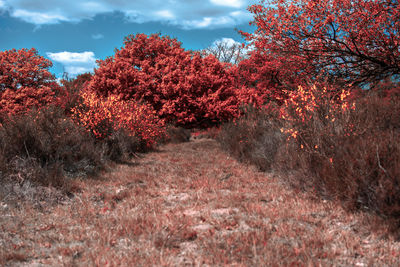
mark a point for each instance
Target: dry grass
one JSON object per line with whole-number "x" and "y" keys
{"x": 191, "y": 204}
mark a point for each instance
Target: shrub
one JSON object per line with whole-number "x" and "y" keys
{"x": 348, "y": 154}
{"x": 72, "y": 89}
{"x": 176, "y": 134}
{"x": 253, "y": 138}
{"x": 121, "y": 145}
{"x": 208, "y": 133}
{"x": 262, "y": 79}
{"x": 103, "y": 116}
{"x": 45, "y": 147}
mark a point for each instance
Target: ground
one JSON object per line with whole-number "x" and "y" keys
{"x": 190, "y": 204}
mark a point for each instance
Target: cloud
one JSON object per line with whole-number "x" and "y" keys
{"x": 97, "y": 36}
{"x": 230, "y": 3}
{"x": 187, "y": 14}
{"x": 203, "y": 23}
{"x": 228, "y": 41}
{"x": 38, "y": 18}
{"x": 226, "y": 44}
{"x": 167, "y": 14}
{"x": 75, "y": 63}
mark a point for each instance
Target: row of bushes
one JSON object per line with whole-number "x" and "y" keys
{"x": 342, "y": 150}
{"x": 48, "y": 148}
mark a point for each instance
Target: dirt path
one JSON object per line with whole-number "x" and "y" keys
{"x": 190, "y": 204}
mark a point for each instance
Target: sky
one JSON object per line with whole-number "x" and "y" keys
{"x": 73, "y": 34}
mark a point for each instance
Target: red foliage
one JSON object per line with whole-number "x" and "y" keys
{"x": 182, "y": 86}
{"x": 25, "y": 81}
{"x": 77, "y": 84}
{"x": 72, "y": 90}
{"x": 302, "y": 105}
{"x": 354, "y": 41}
{"x": 263, "y": 79}
{"x": 102, "y": 116}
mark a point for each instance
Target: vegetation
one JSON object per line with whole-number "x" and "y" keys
{"x": 192, "y": 204}
{"x": 342, "y": 152}
{"x": 315, "y": 104}
{"x": 355, "y": 42}
{"x": 25, "y": 81}
{"x": 182, "y": 87}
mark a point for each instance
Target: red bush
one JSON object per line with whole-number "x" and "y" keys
{"x": 102, "y": 116}
{"x": 302, "y": 105}
{"x": 181, "y": 86}
{"x": 72, "y": 89}
{"x": 25, "y": 81}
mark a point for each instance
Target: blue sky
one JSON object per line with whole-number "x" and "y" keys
{"x": 74, "y": 33}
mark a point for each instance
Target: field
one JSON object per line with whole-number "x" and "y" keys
{"x": 189, "y": 204}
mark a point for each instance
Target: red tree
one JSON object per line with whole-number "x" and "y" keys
{"x": 357, "y": 42}
{"x": 262, "y": 79}
{"x": 72, "y": 90}
{"x": 181, "y": 86}
{"x": 25, "y": 81}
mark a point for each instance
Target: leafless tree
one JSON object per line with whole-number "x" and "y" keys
{"x": 226, "y": 50}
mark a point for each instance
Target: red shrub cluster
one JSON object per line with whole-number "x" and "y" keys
{"x": 25, "y": 81}
{"x": 72, "y": 89}
{"x": 182, "y": 86}
{"x": 303, "y": 105}
{"x": 103, "y": 116}
{"x": 346, "y": 152}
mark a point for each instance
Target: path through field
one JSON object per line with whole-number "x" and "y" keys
{"x": 191, "y": 204}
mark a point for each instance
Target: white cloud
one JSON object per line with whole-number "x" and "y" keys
{"x": 97, "y": 36}
{"x": 229, "y": 3}
{"x": 167, "y": 14}
{"x": 226, "y": 44}
{"x": 229, "y": 41}
{"x": 241, "y": 15}
{"x": 182, "y": 13}
{"x": 213, "y": 22}
{"x": 75, "y": 63}
{"x": 205, "y": 22}
{"x": 38, "y": 18}
{"x": 93, "y": 7}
